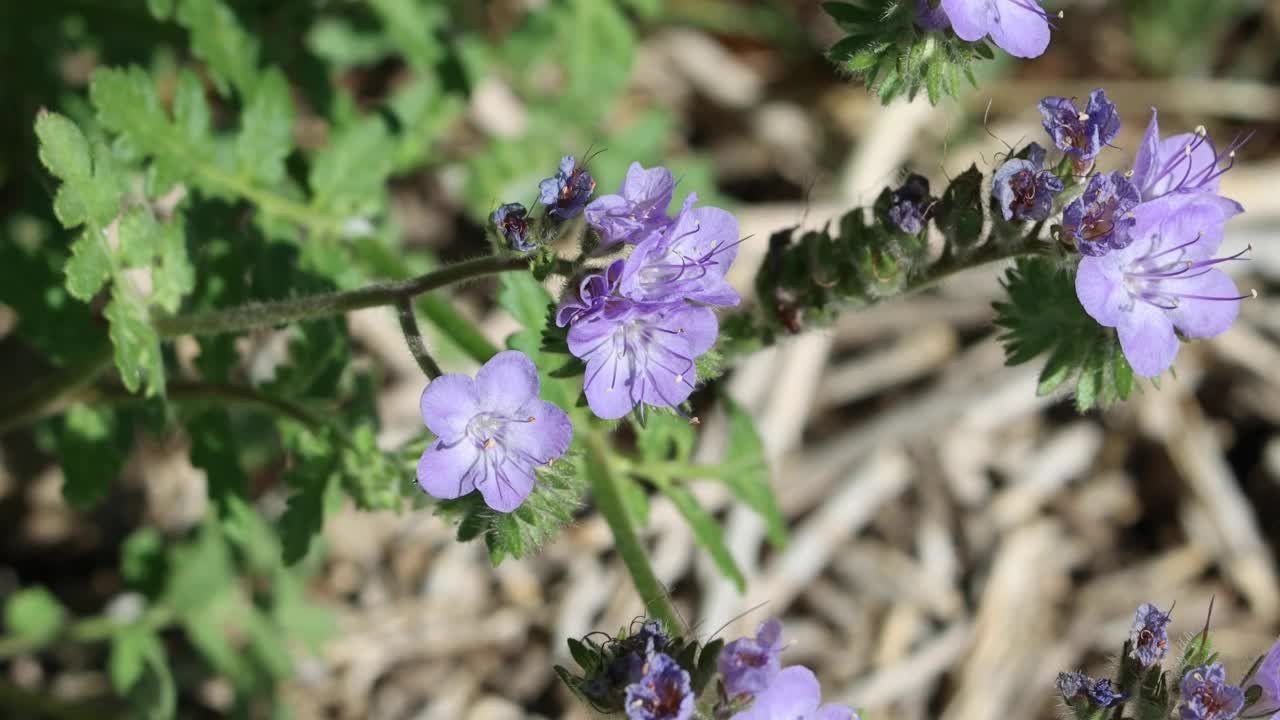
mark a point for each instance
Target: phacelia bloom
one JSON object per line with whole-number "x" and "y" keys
{"x": 1164, "y": 279}
{"x": 492, "y": 432}
{"x": 663, "y": 693}
{"x": 748, "y": 665}
{"x": 595, "y": 291}
{"x": 1021, "y": 27}
{"x": 637, "y": 210}
{"x": 687, "y": 262}
{"x": 640, "y": 353}
{"x": 930, "y": 17}
{"x": 794, "y": 695}
{"x": 1081, "y": 134}
{"x": 1182, "y": 163}
{"x": 1149, "y": 638}
{"x": 1023, "y": 189}
{"x": 566, "y": 193}
{"x": 511, "y": 224}
{"x": 1101, "y": 219}
{"x": 1071, "y": 684}
{"x": 910, "y": 204}
{"x": 1268, "y": 678}
{"x": 1102, "y": 693}
{"x": 1207, "y": 696}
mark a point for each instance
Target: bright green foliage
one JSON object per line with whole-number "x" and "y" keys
{"x": 706, "y": 530}
{"x": 217, "y": 38}
{"x": 113, "y": 247}
{"x": 895, "y": 57}
{"x": 1043, "y": 317}
{"x": 746, "y": 471}
{"x": 34, "y": 614}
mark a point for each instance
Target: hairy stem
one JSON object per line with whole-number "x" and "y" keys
{"x": 604, "y": 488}
{"x": 413, "y": 338}
{"x": 257, "y": 315}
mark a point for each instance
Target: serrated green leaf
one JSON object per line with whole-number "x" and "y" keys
{"x": 586, "y": 658}
{"x": 63, "y": 148}
{"x": 214, "y": 450}
{"x": 598, "y": 45}
{"x": 266, "y": 133}
{"x": 218, "y": 39}
{"x": 89, "y": 266}
{"x": 34, "y": 614}
{"x": 175, "y": 277}
{"x": 91, "y": 459}
{"x": 139, "y": 236}
{"x": 129, "y": 650}
{"x": 1088, "y": 386}
{"x": 746, "y": 471}
{"x": 1058, "y": 369}
{"x": 705, "y": 530}
{"x": 348, "y": 175}
{"x": 411, "y": 27}
{"x": 91, "y": 188}
{"x": 137, "y": 346}
{"x": 127, "y": 103}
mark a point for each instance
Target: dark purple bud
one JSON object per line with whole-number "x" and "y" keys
{"x": 1103, "y": 693}
{"x": 1081, "y": 134}
{"x": 511, "y": 224}
{"x": 910, "y": 205}
{"x": 1070, "y": 684}
{"x": 567, "y": 192}
{"x": 1023, "y": 189}
{"x": 1100, "y": 220}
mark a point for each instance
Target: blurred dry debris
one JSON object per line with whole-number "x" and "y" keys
{"x": 955, "y": 540}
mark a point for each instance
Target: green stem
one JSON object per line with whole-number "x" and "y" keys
{"x": 88, "y": 630}
{"x": 604, "y": 488}
{"x": 311, "y": 307}
{"x": 413, "y": 338}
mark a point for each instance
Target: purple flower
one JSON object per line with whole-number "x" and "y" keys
{"x": 594, "y": 292}
{"x": 930, "y": 17}
{"x": 1102, "y": 693}
{"x": 638, "y": 209}
{"x": 641, "y": 353}
{"x": 687, "y": 262}
{"x": 748, "y": 664}
{"x": 663, "y": 693}
{"x": 1207, "y": 696}
{"x": 1081, "y": 134}
{"x": 1100, "y": 220}
{"x": 909, "y": 205}
{"x": 1268, "y": 678}
{"x": 1070, "y": 684}
{"x": 794, "y": 695}
{"x": 1021, "y": 27}
{"x": 510, "y": 221}
{"x": 1148, "y": 636}
{"x": 1183, "y": 163}
{"x": 566, "y": 192}
{"x": 1164, "y": 279}
{"x": 1023, "y": 189}
{"x": 491, "y": 432}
